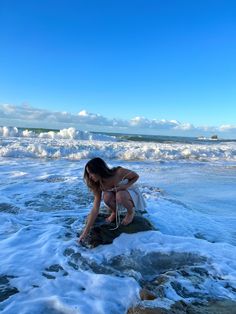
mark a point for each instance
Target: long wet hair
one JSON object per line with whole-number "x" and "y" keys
{"x": 97, "y": 166}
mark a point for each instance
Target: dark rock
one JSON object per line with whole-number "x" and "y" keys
{"x": 6, "y": 290}
{"x": 147, "y": 295}
{"x": 143, "y": 310}
{"x": 8, "y": 208}
{"x": 211, "y": 307}
{"x": 105, "y": 233}
{"x": 54, "y": 268}
{"x": 48, "y": 276}
{"x": 161, "y": 280}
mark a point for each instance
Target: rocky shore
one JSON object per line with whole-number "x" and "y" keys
{"x": 104, "y": 233}
{"x": 211, "y": 307}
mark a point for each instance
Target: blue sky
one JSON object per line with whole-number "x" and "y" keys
{"x": 156, "y": 60}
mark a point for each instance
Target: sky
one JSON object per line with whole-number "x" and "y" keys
{"x": 154, "y": 67}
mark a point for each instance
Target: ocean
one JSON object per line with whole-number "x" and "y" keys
{"x": 189, "y": 186}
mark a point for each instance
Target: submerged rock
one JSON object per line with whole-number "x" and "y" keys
{"x": 180, "y": 307}
{"x": 143, "y": 310}
{"x": 6, "y": 290}
{"x": 8, "y": 208}
{"x": 105, "y": 233}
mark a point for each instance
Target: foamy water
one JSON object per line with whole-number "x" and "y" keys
{"x": 43, "y": 204}
{"x": 76, "y": 145}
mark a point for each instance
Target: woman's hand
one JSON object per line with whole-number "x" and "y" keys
{"x": 83, "y": 236}
{"x": 91, "y": 217}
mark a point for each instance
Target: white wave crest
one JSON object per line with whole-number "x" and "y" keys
{"x": 58, "y": 146}
{"x": 70, "y": 133}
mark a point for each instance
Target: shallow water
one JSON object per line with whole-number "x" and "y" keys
{"x": 43, "y": 204}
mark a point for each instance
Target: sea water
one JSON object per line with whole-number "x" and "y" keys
{"x": 190, "y": 191}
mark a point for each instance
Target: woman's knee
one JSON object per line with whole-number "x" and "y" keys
{"x": 108, "y": 198}
{"x": 122, "y": 196}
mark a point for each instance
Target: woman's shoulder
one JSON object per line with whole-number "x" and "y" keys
{"x": 123, "y": 171}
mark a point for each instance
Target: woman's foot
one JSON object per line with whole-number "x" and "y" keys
{"x": 128, "y": 218}
{"x": 111, "y": 218}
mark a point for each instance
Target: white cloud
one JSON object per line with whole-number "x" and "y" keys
{"x": 227, "y": 128}
{"x": 138, "y": 121}
{"x": 153, "y": 124}
{"x": 8, "y": 108}
{"x": 184, "y": 127}
{"x": 83, "y": 113}
{"x": 28, "y": 115}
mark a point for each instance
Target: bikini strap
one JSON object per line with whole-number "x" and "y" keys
{"x": 126, "y": 174}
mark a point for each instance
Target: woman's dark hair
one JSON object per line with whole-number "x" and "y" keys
{"x": 97, "y": 166}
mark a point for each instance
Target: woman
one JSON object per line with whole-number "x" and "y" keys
{"x": 115, "y": 185}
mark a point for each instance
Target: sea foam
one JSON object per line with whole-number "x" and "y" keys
{"x": 44, "y": 203}
{"x": 70, "y": 133}
{"x": 76, "y": 145}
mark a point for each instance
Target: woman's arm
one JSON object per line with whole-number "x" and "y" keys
{"x": 92, "y": 216}
{"x": 130, "y": 175}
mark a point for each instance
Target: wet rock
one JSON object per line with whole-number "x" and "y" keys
{"x": 6, "y": 290}
{"x": 146, "y": 295}
{"x": 157, "y": 286}
{"x": 48, "y": 276}
{"x": 8, "y": 208}
{"x": 212, "y": 307}
{"x": 161, "y": 280}
{"x": 178, "y": 308}
{"x": 143, "y": 310}
{"x": 153, "y": 264}
{"x": 214, "y": 137}
{"x": 104, "y": 233}
{"x": 55, "y": 268}
{"x": 68, "y": 252}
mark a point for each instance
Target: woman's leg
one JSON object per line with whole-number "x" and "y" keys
{"x": 124, "y": 198}
{"x": 110, "y": 201}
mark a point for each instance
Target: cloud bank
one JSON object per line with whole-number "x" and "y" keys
{"x": 26, "y": 115}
